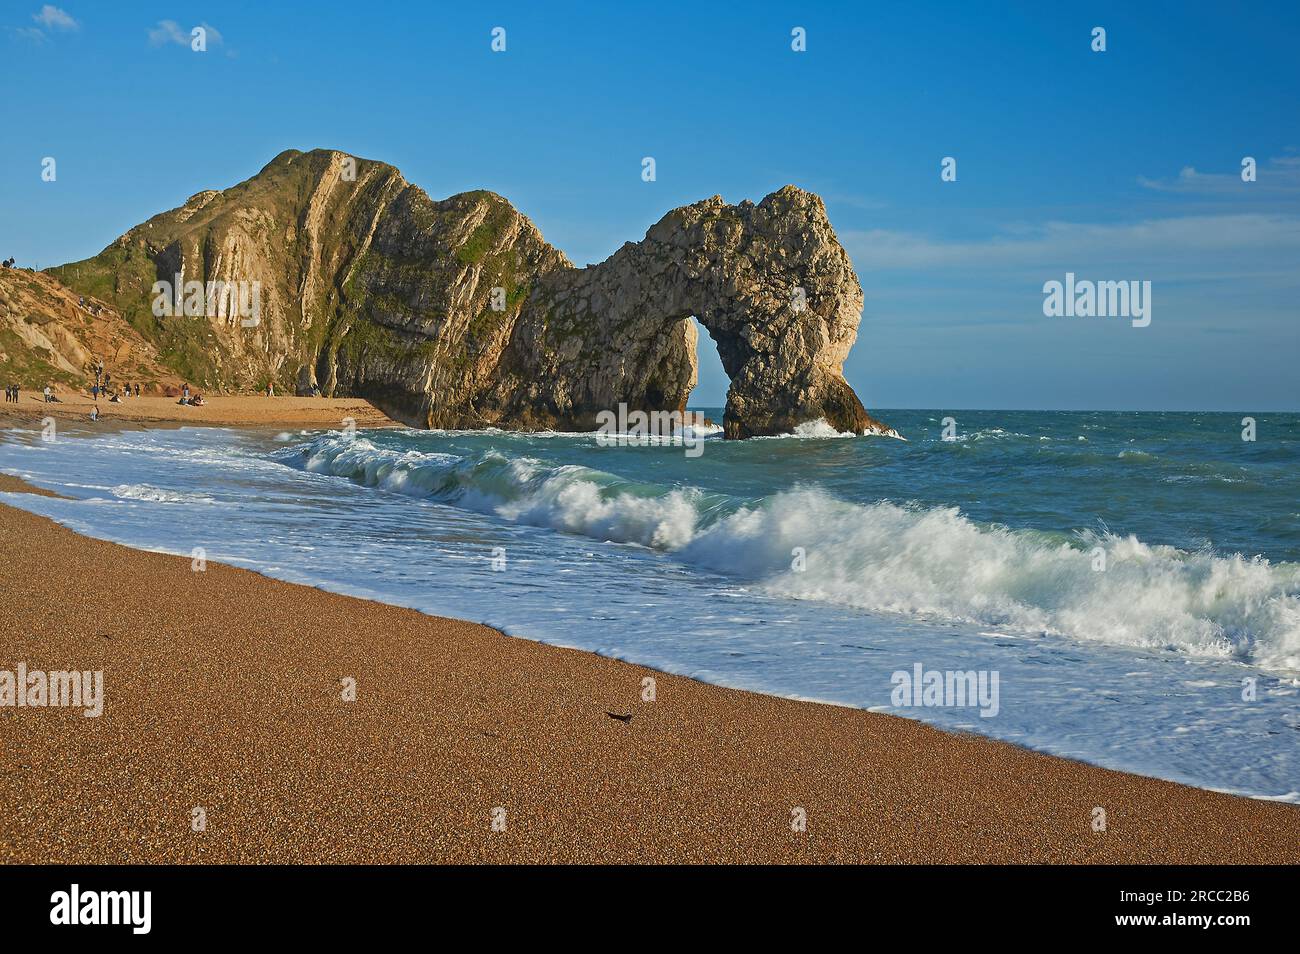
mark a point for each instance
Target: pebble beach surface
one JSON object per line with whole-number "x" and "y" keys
{"x": 224, "y": 691}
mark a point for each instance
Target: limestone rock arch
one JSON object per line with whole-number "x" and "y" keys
{"x": 770, "y": 282}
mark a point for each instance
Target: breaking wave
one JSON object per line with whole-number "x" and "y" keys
{"x": 933, "y": 562}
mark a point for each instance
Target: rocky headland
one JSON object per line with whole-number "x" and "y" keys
{"x": 457, "y": 313}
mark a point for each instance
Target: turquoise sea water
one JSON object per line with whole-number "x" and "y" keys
{"x": 1133, "y": 579}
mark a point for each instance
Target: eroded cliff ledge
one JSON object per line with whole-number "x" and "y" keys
{"x": 457, "y": 313}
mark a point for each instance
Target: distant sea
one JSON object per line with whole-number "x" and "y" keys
{"x": 1132, "y": 578}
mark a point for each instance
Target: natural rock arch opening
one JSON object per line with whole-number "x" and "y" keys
{"x": 712, "y": 381}
{"x": 769, "y": 282}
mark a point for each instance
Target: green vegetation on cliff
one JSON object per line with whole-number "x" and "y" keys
{"x": 372, "y": 289}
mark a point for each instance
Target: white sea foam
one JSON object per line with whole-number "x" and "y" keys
{"x": 936, "y": 562}
{"x": 700, "y": 430}
{"x": 157, "y": 494}
{"x": 931, "y": 562}
{"x": 819, "y": 428}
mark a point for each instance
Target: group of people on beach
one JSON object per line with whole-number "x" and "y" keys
{"x": 13, "y": 391}
{"x": 117, "y": 395}
{"x": 103, "y": 386}
{"x": 194, "y": 401}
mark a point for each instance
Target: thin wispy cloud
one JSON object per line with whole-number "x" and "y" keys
{"x": 49, "y": 18}
{"x": 1273, "y": 176}
{"x": 169, "y": 31}
{"x": 55, "y": 18}
{"x": 1193, "y": 241}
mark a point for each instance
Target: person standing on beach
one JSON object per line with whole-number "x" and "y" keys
{"x": 48, "y": 394}
{"x": 94, "y": 413}
{"x": 185, "y": 392}
{"x": 270, "y": 389}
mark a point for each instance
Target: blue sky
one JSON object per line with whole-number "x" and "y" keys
{"x": 1122, "y": 165}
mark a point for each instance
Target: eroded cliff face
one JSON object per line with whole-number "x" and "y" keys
{"x": 770, "y": 282}
{"x": 458, "y": 314}
{"x": 48, "y": 335}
